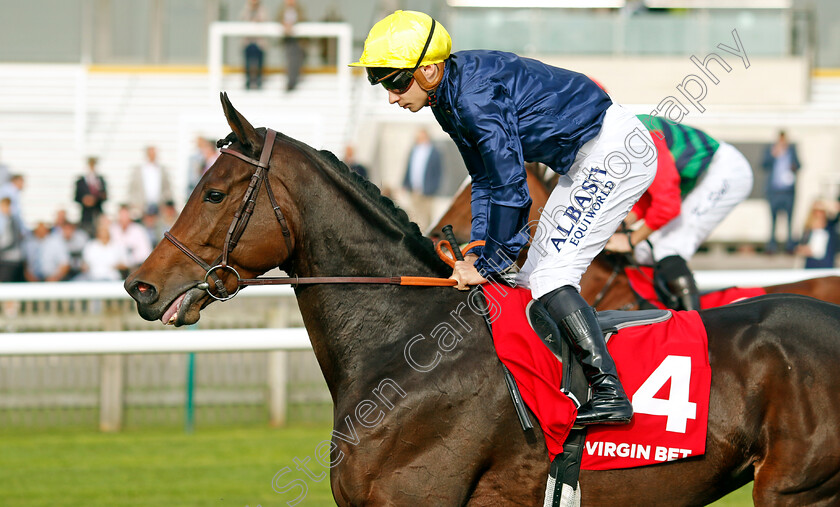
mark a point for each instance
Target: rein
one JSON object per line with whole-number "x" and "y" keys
{"x": 607, "y": 286}
{"x": 415, "y": 281}
{"x": 240, "y": 221}
{"x": 617, "y": 269}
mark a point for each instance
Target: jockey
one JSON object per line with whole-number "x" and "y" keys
{"x": 712, "y": 177}
{"x": 502, "y": 110}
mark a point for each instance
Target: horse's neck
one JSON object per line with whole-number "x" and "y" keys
{"x": 356, "y": 236}
{"x": 351, "y": 325}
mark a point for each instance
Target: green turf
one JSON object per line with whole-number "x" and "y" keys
{"x": 740, "y": 498}
{"x": 219, "y": 467}
{"x": 212, "y": 467}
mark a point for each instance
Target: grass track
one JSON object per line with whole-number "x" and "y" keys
{"x": 213, "y": 467}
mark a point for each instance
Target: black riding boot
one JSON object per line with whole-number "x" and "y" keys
{"x": 675, "y": 284}
{"x": 608, "y": 403}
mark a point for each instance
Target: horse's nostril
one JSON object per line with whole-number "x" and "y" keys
{"x": 143, "y": 292}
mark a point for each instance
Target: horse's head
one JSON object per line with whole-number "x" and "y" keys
{"x": 170, "y": 284}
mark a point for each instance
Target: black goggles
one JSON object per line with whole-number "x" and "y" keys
{"x": 398, "y": 80}
{"x": 395, "y": 80}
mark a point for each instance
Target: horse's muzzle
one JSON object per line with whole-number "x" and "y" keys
{"x": 142, "y": 292}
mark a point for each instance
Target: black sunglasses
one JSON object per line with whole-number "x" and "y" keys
{"x": 398, "y": 80}
{"x": 395, "y": 80}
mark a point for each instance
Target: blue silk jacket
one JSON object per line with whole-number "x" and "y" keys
{"x": 501, "y": 110}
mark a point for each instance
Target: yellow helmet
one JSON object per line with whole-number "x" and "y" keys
{"x": 397, "y": 42}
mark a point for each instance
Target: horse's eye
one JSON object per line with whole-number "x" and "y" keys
{"x": 214, "y": 196}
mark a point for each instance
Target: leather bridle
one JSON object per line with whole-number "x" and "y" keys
{"x": 240, "y": 221}
{"x": 237, "y": 228}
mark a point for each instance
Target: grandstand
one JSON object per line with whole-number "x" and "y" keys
{"x": 54, "y": 115}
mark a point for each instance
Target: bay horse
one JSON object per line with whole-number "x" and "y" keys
{"x": 605, "y": 283}
{"x": 447, "y": 433}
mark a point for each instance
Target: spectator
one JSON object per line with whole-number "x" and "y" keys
{"x": 46, "y": 257}
{"x": 151, "y": 224}
{"x": 782, "y": 164}
{"x": 90, "y": 194}
{"x": 290, "y": 14}
{"x": 103, "y": 258}
{"x": 11, "y": 244}
{"x": 60, "y": 220}
{"x": 329, "y": 45}
{"x": 5, "y": 173}
{"x": 202, "y": 159}
{"x": 254, "y": 46}
{"x": 168, "y": 217}
{"x": 422, "y": 177}
{"x": 350, "y": 160}
{"x": 149, "y": 186}
{"x": 12, "y": 189}
{"x": 819, "y": 238}
{"x": 156, "y": 225}
{"x": 132, "y": 236}
{"x": 74, "y": 240}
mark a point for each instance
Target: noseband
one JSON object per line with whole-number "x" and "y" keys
{"x": 240, "y": 221}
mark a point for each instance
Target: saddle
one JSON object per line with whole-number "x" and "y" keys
{"x": 562, "y": 488}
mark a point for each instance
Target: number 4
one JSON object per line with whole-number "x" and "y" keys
{"x": 676, "y": 408}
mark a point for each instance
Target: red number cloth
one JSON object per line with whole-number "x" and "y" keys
{"x": 638, "y": 351}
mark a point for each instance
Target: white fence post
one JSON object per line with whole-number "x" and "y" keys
{"x": 111, "y": 392}
{"x": 278, "y": 374}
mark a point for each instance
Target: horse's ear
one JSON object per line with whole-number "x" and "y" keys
{"x": 244, "y": 131}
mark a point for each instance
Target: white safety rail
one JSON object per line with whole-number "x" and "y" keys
{"x": 88, "y": 328}
{"x": 111, "y": 349}
{"x": 62, "y": 291}
{"x": 720, "y": 279}
{"x": 343, "y": 32}
{"x": 154, "y": 342}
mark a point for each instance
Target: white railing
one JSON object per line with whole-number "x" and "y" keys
{"x": 111, "y": 347}
{"x": 94, "y": 319}
{"x": 63, "y": 291}
{"x": 719, "y": 279}
{"x": 154, "y": 342}
{"x": 105, "y": 306}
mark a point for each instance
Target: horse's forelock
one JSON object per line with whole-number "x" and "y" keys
{"x": 247, "y": 147}
{"x": 229, "y": 139}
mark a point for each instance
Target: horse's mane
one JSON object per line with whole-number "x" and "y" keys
{"x": 399, "y": 214}
{"x": 420, "y": 244}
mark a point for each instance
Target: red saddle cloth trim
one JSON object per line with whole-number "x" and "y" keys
{"x": 537, "y": 372}
{"x": 640, "y": 279}
{"x": 638, "y": 351}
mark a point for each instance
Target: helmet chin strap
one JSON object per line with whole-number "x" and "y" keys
{"x": 425, "y": 83}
